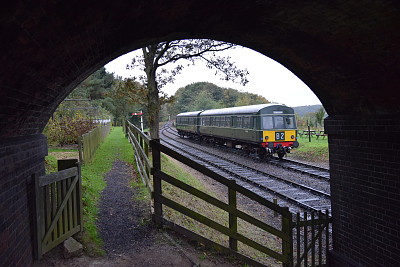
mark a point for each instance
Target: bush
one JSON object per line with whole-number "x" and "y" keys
{"x": 63, "y": 130}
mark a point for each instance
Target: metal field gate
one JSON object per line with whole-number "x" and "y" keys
{"x": 58, "y": 207}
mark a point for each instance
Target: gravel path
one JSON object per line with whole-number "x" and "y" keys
{"x": 120, "y": 220}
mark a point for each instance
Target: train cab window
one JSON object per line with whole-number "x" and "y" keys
{"x": 290, "y": 122}
{"x": 279, "y": 122}
{"x": 267, "y": 122}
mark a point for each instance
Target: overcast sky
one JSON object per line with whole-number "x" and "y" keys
{"x": 266, "y": 77}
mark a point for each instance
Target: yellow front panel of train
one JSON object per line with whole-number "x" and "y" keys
{"x": 279, "y": 136}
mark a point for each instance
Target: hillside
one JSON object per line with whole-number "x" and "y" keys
{"x": 204, "y": 95}
{"x": 303, "y": 110}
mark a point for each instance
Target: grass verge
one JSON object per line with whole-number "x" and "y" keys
{"x": 115, "y": 147}
{"x": 50, "y": 163}
{"x": 316, "y": 150}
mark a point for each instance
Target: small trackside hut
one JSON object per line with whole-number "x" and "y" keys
{"x": 264, "y": 129}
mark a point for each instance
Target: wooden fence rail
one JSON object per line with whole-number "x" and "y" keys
{"x": 89, "y": 142}
{"x": 300, "y": 227}
{"x": 141, "y": 144}
{"x": 58, "y": 207}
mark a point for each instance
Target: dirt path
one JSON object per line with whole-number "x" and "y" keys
{"x": 129, "y": 237}
{"x": 122, "y": 220}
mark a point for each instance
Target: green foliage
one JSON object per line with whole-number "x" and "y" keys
{"x": 63, "y": 130}
{"x": 204, "y": 101}
{"x": 97, "y": 97}
{"x": 95, "y": 86}
{"x": 128, "y": 96}
{"x": 319, "y": 116}
{"x": 204, "y": 95}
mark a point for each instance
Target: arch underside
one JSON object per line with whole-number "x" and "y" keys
{"x": 347, "y": 53}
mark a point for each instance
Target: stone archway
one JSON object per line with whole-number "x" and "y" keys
{"x": 346, "y": 52}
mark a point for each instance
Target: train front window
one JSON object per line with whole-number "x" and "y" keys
{"x": 279, "y": 122}
{"x": 267, "y": 122}
{"x": 290, "y": 122}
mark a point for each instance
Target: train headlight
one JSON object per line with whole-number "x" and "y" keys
{"x": 266, "y": 138}
{"x": 292, "y": 137}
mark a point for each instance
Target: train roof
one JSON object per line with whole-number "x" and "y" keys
{"x": 189, "y": 114}
{"x": 253, "y": 109}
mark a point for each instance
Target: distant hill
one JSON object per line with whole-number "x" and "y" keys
{"x": 204, "y": 95}
{"x": 303, "y": 110}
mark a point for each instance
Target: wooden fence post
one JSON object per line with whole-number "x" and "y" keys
{"x": 287, "y": 246}
{"x": 80, "y": 148}
{"x": 232, "y": 218}
{"x": 79, "y": 195}
{"x": 158, "y": 212}
{"x": 298, "y": 239}
{"x": 305, "y": 243}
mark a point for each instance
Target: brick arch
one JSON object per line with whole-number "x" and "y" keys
{"x": 342, "y": 53}
{"x": 346, "y": 52}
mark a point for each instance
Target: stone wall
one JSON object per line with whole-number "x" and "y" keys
{"x": 365, "y": 189}
{"x": 20, "y": 157}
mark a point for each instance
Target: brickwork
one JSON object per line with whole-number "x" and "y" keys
{"x": 348, "y": 55}
{"x": 19, "y": 158}
{"x": 365, "y": 188}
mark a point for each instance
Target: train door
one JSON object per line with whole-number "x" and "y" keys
{"x": 233, "y": 127}
{"x": 198, "y": 125}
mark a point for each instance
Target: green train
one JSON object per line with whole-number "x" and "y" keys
{"x": 264, "y": 129}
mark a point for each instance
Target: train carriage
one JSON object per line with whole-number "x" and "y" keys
{"x": 264, "y": 129}
{"x": 187, "y": 124}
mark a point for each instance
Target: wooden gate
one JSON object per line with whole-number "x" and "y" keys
{"x": 312, "y": 238}
{"x": 58, "y": 206}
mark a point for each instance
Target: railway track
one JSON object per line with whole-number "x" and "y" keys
{"x": 296, "y": 166}
{"x": 297, "y": 196}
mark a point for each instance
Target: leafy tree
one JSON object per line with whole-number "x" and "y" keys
{"x": 157, "y": 56}
{"x": 205, "y": 100}
{"x": 319, "y": 116}
{"x": 95, "y": 86}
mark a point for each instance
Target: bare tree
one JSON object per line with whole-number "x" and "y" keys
{"x": 156, "y": 56}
